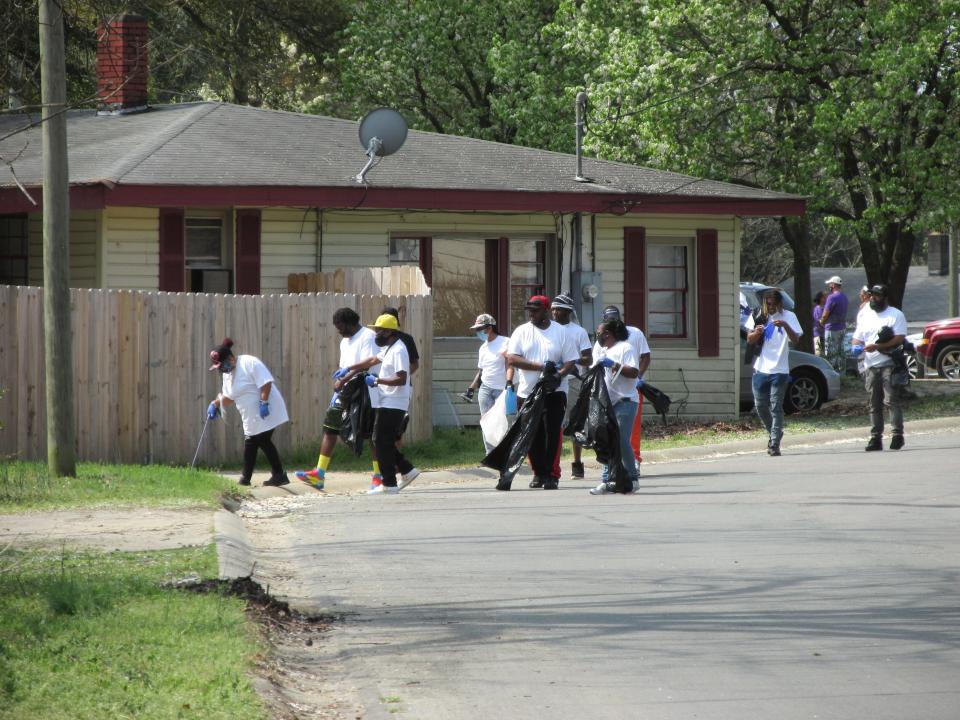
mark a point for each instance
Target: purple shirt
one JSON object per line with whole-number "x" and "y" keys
{"x": 837, "y": 305}
{"x": 817, "y": 327}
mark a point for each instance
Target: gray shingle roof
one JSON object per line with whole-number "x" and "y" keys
{"x": 218, "y": 144}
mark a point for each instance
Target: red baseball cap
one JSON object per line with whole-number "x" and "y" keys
{"x": 538, "y": 301}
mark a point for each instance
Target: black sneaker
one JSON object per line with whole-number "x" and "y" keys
{"x": 537, "y": 482}
{"x": 277, "y": 481}
{"x": 503, "y": 484}
{"x": 773, "y": 451}
{"x": 576, "y": 470}
{"x": 896, "y": 442}
{"x": 244, "y": 481}
{"x": 551, "y": 484}
{"x": 874, "y": 444}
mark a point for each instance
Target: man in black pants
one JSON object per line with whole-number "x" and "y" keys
{"x": 535, "y": 346}
{"x": 394, "y": 384}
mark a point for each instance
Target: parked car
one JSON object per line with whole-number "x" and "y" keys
{"x": 939, "y": 348}
{"x": 813, "y": 381}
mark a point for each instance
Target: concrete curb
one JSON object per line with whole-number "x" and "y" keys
{"x": 235, "y": 554}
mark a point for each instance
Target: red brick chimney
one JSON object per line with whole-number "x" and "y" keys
{"x": 122, "y": 64}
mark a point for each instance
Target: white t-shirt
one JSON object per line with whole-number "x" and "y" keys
{"x": 637, "y": 340}
{"x": 774, "y": 356}
{"x": 357, "y": 348}
{"x": 539, "y": 346}
{"x": 243, "y": 387}
{"x": 393, "y": 359}
{"x": 869, "y": 324}
{"x": 623, "y": 387}
{"x": 492, "y": 364}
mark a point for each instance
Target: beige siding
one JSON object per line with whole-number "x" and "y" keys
{"x": 706, "y": 387}
{"x": 131, "y": 246}
{"x": 288, "y": 244}
{"x": 453, "y": 372}
{"x": 84, "y": 251}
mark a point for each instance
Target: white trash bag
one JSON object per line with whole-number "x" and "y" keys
{"x": 494, "y": 422}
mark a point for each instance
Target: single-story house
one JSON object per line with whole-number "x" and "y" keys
{"x": 214, "y": 197}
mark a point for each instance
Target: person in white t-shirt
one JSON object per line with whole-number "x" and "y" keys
{"x": 563, "y": 311}
{"x": 248, "y": 384}
{"x": 391, "y": 417}
{"x": 619, "y": 357}
{"x": 639, "y": 342}
{"x": 879, "y": 365}
{"x": 491, "y": 377}
{"x": 535, "y": 347}
{"x": 357, "y": 344}
{"x": 774, "y": 332}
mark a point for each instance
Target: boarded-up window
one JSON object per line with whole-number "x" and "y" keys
{"x": 172, "y": 250}
{"x": 13, "y": 249}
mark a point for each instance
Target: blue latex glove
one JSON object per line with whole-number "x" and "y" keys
{"x": 607, "y": 362}
{"x": 334, "y": 399}
{"x": 768, "y": 330}
{"x": 264, "y": 409}
{"x": 342, "y": 372}
{"x": 212, "y": 411}
{"x": 510, "y": 401}
{"x": 856, "y": 350}
{"x": 640, "y": 383}
{"x": 370, "y": 380}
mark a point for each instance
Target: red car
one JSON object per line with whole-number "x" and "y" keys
{"x": 939, "y": 348}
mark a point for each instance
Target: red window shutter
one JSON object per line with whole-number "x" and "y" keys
{"x": 708, "y": 294}
{"x": 172, "y": 249}
{"x": 248, "y": 252}
{"x": 635, "y": 277}
{"x": 426, "y": 259}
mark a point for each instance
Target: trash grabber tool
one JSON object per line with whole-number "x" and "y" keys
{"x": 197, "y": 453}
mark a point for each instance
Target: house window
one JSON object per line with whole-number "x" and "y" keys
{"x": 668, "y": 288}
{"x": 206, "y": 261}
{"x": 13, "y": 249}
{"x": 527, "y": 276}
{"x": 404, "y": 251}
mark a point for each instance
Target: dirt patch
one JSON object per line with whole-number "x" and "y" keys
{"x": 287, "y": 680}
{"x": 131, "y": 530}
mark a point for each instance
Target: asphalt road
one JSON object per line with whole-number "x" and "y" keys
{"x": 821, "y": 584}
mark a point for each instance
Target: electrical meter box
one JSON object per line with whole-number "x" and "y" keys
{"x": 587, "y": 291}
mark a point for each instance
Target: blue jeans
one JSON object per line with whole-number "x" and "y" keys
{"x": 626, "y": 412}
{"x": 769, "y": 390}
{"x": 486, "y": 397}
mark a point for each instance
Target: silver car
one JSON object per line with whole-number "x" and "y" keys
{"x": 812, "y": 379}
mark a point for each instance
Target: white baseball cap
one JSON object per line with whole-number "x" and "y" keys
{"x": 835, "y": 280}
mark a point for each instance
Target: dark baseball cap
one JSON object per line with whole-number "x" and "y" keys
{"x": 880, "y": 289}
{"x": 611, "y": 311}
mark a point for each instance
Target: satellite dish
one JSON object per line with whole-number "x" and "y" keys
{"x": 382, "y": 132}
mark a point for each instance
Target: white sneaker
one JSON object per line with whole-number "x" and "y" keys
{"x": 408, "y": 478}
{"x": 636, "y": 486}
{"x": 602, "y": 489}
{"x": 383, "y": 490}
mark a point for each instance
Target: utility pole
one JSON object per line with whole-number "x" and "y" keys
{"x": 57, "y": 333}
{"x": 954, "y": 231}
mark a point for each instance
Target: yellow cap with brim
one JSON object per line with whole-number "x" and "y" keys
{"x": 385, "y": 322}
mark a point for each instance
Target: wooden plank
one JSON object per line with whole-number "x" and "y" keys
{"x": 10, "y": 339}
{"x": 30, "y": 385}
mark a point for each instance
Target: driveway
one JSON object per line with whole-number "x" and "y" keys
{"x": 823, "y": 583}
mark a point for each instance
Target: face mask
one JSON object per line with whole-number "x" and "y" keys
{"x": 382, "y": 340}
{"x": 482, "y": 335}
{"x": 226, "y": 367}
{"x": 877, "y": 304}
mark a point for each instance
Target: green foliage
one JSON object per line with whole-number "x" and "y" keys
{"x": 92, "y": 635}
{"x": 30, "y": 486}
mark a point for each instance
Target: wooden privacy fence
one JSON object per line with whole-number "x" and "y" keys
{"x": 140, "y": 368}
{"x": 392, "y": 280}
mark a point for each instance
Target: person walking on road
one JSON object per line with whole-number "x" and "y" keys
{"x": 773, "y": 333}
{"x": 562, "y": 310}
{"x": 391, "y": 417}
{"x": 357, "y": 344}
{"x": 619, "y": 358}
{"x": 833, "y": 320}
{"x": 542, "y": 346}
{"x": 881, "y": 329}
{"x": 491, "y": 377}
{"x": 248, "y": 384}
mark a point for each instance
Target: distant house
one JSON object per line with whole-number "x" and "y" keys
{"x": 213, "y": 197}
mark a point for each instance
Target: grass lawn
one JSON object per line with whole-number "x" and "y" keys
{"x": 96, "y": 635}
{"x": 28, "y": 486}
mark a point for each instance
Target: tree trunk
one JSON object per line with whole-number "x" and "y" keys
{"x": 796, "y": 231}
{"x": 901, "y": 254}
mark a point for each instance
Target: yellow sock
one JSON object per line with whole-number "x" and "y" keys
{"x": 376, "y": 468}
{"x": 323, "y": 462}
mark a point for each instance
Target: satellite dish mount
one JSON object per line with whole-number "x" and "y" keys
{"x": 382, "y": 132}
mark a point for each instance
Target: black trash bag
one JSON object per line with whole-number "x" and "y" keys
{"x": 508, "y": 456}
{"x": 593, "y": 423}
{"x": 357, "y": 413}
{"x": 661, "y": 401}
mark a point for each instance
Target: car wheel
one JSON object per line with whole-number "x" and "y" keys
{"x": 806, "y": 392}
{"x": 914, "y": 366}
{"x": 948, "y": 362}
